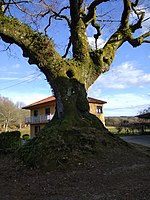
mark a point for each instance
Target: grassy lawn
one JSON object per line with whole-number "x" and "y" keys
{"x": 125, "y": 131}
{"x": 25, "y": 130}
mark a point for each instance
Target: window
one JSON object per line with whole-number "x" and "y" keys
{"x": 47, "y": 111}
{"x": 35, "y": 113}
{"x": 37, "y": 129}
{"x": 99, "y": 109}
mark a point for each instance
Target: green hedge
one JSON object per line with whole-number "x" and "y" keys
{"x": 10, "y": 141}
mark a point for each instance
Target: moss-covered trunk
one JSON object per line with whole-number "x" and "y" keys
{"x": 72, "y": 107}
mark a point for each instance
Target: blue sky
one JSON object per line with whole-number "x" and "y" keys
{"x": 125, "y": 87}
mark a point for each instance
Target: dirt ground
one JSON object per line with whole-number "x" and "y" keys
{"x": 118, "y": 175}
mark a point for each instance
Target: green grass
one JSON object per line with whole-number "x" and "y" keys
{"x": 25, "y": 130}
{"x": 126, "y": 131}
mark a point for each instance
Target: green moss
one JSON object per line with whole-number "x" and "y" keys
{"x": 53, "y": 149}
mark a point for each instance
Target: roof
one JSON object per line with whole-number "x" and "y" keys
{"x": 43, "y": 101}
{"x": 98, "y": 101}
{"x": 53, "y": 99}
{"x": 144, "y": 116}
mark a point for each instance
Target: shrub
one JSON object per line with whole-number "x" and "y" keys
{"x": 26, "y": 137}
{"x": 9, "y": 141}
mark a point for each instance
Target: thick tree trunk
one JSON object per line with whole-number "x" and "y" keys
{"x": 72, "y": 106}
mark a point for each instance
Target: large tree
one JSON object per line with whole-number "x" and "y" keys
{"x": 70, "y": 77}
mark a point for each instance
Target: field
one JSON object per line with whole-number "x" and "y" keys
{"x": 127, "y": 125}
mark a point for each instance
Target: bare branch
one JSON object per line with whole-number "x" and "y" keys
{"x": 68, "y": 47}
{"x": 133, "y": 5}
{"x": 140, "y": 15}
{"x": 7, "y": 48}
{"x": 56, "y": 16}
{"x": 139, "y": 40}
{"x": 91, "y": 10}
{"x": 48, "y": 25}
{"x": 92, "y": 18}
{"x": 108, "y": 20}
{"x": 146, "y": 41}
{"x": 97, "y": 26}
{"x": 126, "y": 13}
{"x": 138, "y": 24}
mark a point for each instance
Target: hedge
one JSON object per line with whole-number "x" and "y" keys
{"x": 10, "y": 141}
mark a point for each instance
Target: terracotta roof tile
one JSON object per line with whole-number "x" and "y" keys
{"x": 48, "y": 99}
{"x": 52, "y": 98}
{"x": 98, "y": 101}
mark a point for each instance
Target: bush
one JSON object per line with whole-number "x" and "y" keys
{"x": 9, "y": 141}
{"x": 26, "y": 137}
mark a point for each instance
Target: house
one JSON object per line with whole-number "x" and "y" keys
{"x": 41, "y": 112}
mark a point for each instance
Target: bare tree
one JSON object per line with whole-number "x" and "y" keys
{"x": 7, "y": 112}
{"x": 20, "y": 114}
{"x": 71, "y": 78}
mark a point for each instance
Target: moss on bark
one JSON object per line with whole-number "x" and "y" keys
{"x": 58, "y": 149}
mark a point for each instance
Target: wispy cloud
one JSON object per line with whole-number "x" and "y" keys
{"x": 123, "y": 76}
{"x": 8, "y": 79}
{"x": 126, "y": 104}
{"x": 126, "y": 100}
{"x": 16, "y": 66}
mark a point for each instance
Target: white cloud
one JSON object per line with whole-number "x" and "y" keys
{"x": 123, "y": 76}
{"x": 126, "y": 100}
{"x": 100, "y": 42}
{"x": 8, "y": 79}
{"x": 16, "y": 66}
{"x": 126, "y": 104}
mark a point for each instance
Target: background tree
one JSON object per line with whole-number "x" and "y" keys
{"x": 70, "y": 78}
{"x": 11, "y": 114}
{"x": 21, "y": 114}
{"x": 7, "y": 112}
{"x": 146, "y": 110}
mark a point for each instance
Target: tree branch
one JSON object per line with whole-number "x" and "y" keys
{"x": 139, "y": 40}
{"x": 75, "y": 10}
{"x": 140, "y": 16}
{"x": 138, "y": 24}
{"x": 91, "y": 10}
{"x": 146, "y": 41}
{"x": 39, "y": 49}
{"x": 56, "y": 16}
{"x": 68, "y": 47}
{"x": 126, "y": 13}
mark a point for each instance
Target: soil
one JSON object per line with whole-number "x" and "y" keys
{"x": 120, "y": 174}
